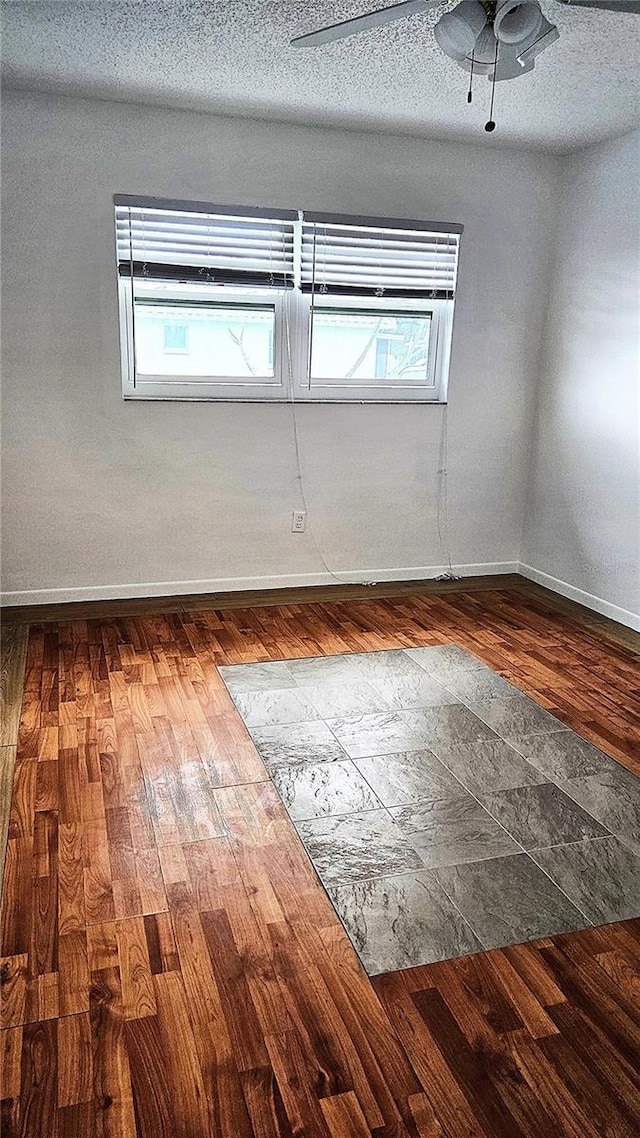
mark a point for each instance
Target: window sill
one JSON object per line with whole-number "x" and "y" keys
{"x": 299, "y": 402}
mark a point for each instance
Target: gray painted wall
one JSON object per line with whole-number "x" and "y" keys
{"x": 583, "y": 518}
{"x": 103, "y": 497}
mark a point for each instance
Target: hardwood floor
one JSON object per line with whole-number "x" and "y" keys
{"x": 13, "y": 654}
{"x": 535, "y": 1039}
{"x": 320, "y": 594}
{"x": 171, "y": 966}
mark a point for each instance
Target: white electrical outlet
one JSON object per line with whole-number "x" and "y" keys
{"x": 298, "y": 521}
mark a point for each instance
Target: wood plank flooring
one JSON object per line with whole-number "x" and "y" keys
{"x": 13, "y": 654}
{"x": 253, "y": 598}
{"x": 171, "y": 966}
{"x": 535, "y": 1039}
{"x": 320, "y": 594}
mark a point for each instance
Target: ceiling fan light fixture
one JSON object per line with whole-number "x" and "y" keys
{"x": 457, "y": 31}
{"x": 546, "y": 36}
{"x": 484, "y": 51}
{"x": 484, "y": 54}
{"x": 516, "y": 22}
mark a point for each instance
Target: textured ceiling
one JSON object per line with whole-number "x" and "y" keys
{"x": 233, "y": 57}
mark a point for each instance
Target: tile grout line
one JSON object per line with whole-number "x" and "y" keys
{"x": 456, "y": 907}
{"x": 423, "y": 869}
{"x": 575, "y": 842}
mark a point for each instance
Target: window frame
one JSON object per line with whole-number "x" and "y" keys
{"x": 293, "y": 308}
{"x": 233, "y": 389}
{"x": 308, "y": 389}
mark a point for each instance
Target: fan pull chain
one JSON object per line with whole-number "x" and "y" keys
{"x": 490, "y": 125}
{"x": 469, "y": 94}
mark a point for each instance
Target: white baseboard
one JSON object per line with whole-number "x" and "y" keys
{"x": 238, "y": 584}
{"x": 302, "y": 580}
{"x": 605, "y": 608}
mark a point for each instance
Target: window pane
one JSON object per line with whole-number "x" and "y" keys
{"x": 370, "y": 347}
{"x": 205, "y": 340}
{"x": 175, "y": 337}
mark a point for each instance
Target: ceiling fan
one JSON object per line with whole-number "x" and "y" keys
{"x": 497, "y": 38}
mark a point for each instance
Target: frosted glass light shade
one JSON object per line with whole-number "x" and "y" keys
{"x": 516, "y": 22}
{"x": 457, "y": 31}
{"x": 484, "y": 52}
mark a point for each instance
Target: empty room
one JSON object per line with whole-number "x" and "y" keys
{"x": 320, "y": 562}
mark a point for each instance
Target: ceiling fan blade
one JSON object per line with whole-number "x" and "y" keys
{"x": 362, "y": 23}
{"x": 632, "y": 6}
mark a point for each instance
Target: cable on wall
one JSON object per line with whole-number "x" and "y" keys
{"x": 442, "y": 493}
{"x": 442, "y": 498}
{"x": 294, "y": 419}
{"x": 133, "y": 301}
{"x": 442, "y": 504}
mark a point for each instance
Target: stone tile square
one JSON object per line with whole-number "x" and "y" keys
{"x": 447, "y": 662}
{"x": 357, "y": 847}
{"x": 270, "y": 676}
{"x": 488, "y": 765}
{"x": 437, "y": 727}
{"x": 405, "y": 692}
{"x": 297, "y": 743}
{"x": 382, "y": 734}
{"x": 323, "y": 669}
{"x": 601, "y": 877}
{"x": 407, "y": 777}
{"x": 511, "y": 715}
{"x": 613, "y": 797}
{"x": 443, "y": 655}
{"x": 471, "y": 685}
{"x": 316, "y": 790}
{"x": 271, "y": 708}
{"x": 401, "y": 922}
{"x": 391, "y": 664}
{"x": 448, "y": 831}
{"x": 541, "y": 815}
{"x": 508, "y": 900}
{"x": 337, "y": 700}
{"x": 562, "y": 755}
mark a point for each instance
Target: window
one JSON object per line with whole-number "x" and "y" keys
{"x": 221, "y": 339}
{"x": 202, "y": 299}
{"x": 231, "y": 304}
{"x": 373, "y": 350}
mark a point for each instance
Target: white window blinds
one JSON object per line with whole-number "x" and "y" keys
{"x": 378, "y": 257}
{"x": 193, "y": 241}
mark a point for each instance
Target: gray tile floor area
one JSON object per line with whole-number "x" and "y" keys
{"x": 444, "y": 811}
